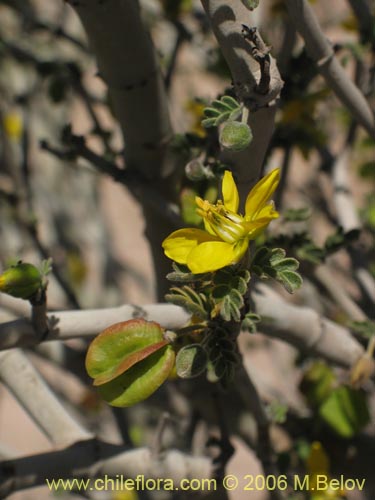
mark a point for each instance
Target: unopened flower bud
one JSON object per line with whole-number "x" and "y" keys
{"x": 235, "y": 136}
{"x": 21, "y": 280}
{"x": 195, "y": 170}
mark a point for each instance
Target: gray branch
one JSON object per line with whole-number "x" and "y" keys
{"x": 128, "y": 65}
{"x": 28, "y": 387}
{"x": 226, "y": 20}
{"x": 97, "y": 459}
{"x": 300, "y": 326}
{"x": 321, "y": 51}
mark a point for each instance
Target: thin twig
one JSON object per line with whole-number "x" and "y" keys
{"x": 98, "y": 459}
{"x": 138, "y": 186}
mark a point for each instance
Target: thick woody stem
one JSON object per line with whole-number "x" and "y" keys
{"x": 256, "y": 88}
{"x": 128, "y": 64}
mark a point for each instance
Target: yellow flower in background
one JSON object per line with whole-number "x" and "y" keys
{"x": 196, "y": 108}
{"x": 227, "y": 233}
{"x": 318, "y": 465}
{"x": 13, "y": 126}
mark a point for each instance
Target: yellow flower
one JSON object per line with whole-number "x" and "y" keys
{"x": 318, "y": 465}
{"x": 227, "y": 233}
{"x": 13, "y": 125}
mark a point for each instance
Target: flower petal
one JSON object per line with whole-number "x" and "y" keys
{"x": 213, "y": 255}
{"x": 180, "y": 243}
{"x": 268, "y": 212}
{"x": 230, "y": 192}
{"x": 261, "y": 193}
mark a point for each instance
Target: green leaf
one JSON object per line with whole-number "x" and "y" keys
{"x": 318, "y": 383}
{"x": 191, "y": 307}
{"x": 222, "y": 277}
{"x": 311, "y": 253}
{"x": 239, "y": 284}
{"x": 220, "y": 291}
{"x": 288, "y": 264}
{"x": 297, "y": 214}
{"x": 183, "y": 274}
{"x": 276, "y": 255}
{"x": 188, "y": 207}
{"x": 277, "y": 412}
{"x": 290, "y": 280}
{"x": 188, "y": 298}
{"x": 345, "y": 411}
{"x": 340, "y": 239}
{"x": 274, "y": 264}
{"x": 364, "y": 328}
{"x": 367, "y": 170}
{"x": 249, "y": 323}
{"x": 236, "y": 298}
{"x": 191, "y": 361}
{"x": 209, "y": 122}
{"x": 220, "y": 111}
{"x": 230, "y": 102}
{"x": 211, "y": 112}
{"x": 226, "y": 309}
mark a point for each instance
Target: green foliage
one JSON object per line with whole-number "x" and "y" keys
{"x": 221, "y": 110}
{"x": 222, "y": 354}
{"x": 216, "y": 299}
{"x": 364, "y": 328}
{"x": 345, "y": 411}
{"x": 305, "y": 248}
{"x": 129, "y": 361}
{"x": 181, "y": 274}
{"x": 191, "y": 361}
{"x": 297, "y": 214}
{"x": 189, "y": 299}
{"x": 277, "y": 412}
{"x": 250, "y": 322}
{"x": 318, "y": 383}
{"x": 339, "y": 240}
{"x": 367, "y": 170}
{"x": 188, "y": 207}
{"x": 228, "y": 291}
{"x": 272, "y": 263}
{"x": 342, "y": 408}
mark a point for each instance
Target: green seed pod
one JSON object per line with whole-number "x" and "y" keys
{"x": 21, "y": 280}
{"x": 129, "y": 361}
{"x": 235, "y": 136}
